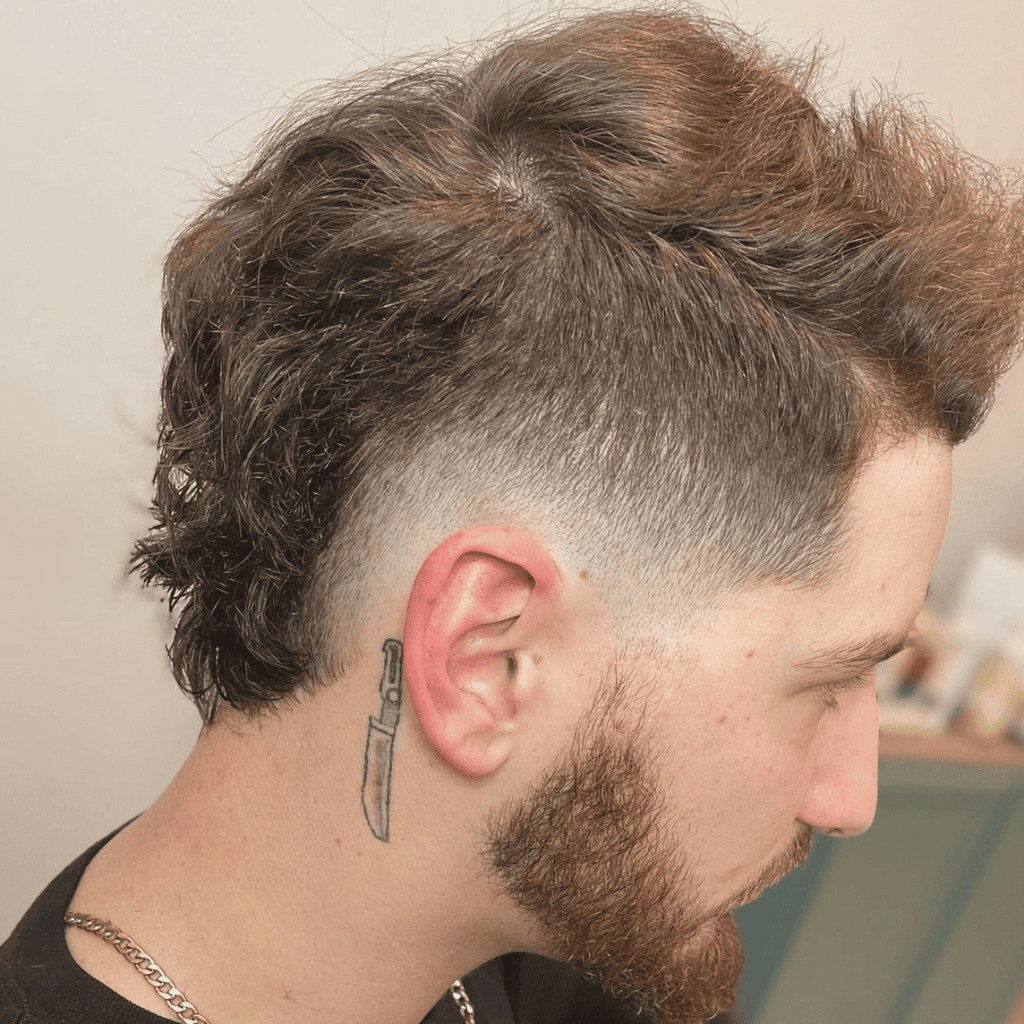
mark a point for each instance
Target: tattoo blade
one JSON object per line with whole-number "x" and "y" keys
{"x": 380, "y": 744}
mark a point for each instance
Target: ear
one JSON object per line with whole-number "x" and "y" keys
{"x": 481, "y": 600}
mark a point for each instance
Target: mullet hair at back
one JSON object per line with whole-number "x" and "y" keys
{"x": 622, "y": 267}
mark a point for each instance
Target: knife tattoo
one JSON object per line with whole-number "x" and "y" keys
{"x": 380, "y": 744}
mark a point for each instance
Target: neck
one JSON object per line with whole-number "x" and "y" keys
{"x": 256, "y": 885}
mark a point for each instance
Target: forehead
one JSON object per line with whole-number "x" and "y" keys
{"x": 898, "y": 510}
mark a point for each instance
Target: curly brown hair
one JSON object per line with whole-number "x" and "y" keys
{"x": 623, "y": 267}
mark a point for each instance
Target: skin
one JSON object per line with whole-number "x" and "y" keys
{"x": 258, "y": 852}
{"x": 805, "y": 756}
{"x": 736, "y": 757}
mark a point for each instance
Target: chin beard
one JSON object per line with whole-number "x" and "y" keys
{"x": 696, "y": 979}
{"x": 586, "y": 854}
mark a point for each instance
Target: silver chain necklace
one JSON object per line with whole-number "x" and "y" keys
{"x": 458, "y": 992}
{"x": 171, "y": 994}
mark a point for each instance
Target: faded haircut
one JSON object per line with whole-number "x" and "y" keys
{"x": 623, "y": 270}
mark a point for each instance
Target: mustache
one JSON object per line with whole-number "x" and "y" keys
{"x": 775, "y": 870}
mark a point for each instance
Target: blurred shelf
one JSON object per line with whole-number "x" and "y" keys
{"x": 950, "y": 746}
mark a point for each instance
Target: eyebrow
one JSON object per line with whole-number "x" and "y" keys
{"x": 849, "y": 658}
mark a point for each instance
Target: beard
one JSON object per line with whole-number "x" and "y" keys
{"x": 588, "y": 854}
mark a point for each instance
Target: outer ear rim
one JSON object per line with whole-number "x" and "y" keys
{"x": 502, "y": 543}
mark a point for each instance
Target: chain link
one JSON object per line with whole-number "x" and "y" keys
{"x": 171, "y": 994}
{"x": 143, "y": 963}
{"x": 462, "y": 1002}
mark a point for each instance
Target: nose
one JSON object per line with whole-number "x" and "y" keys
{"x": 843, "y": 790}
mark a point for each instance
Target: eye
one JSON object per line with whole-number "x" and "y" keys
{"x": 828, "y": 698}
{"x": 828, "y": 692}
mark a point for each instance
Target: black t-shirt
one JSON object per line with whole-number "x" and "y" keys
{"x": 40, "y": 982}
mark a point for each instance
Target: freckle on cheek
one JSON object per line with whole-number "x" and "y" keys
{"x": 721, "y": 719}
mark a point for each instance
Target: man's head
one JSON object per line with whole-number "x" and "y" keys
{"x": 704, "y": 766}
{"x": 620, "y": 282}
{"x": 629, "y": 378}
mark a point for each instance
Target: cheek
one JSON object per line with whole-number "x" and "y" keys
{"x": 757, "y": 778}
{"x": 780, "y": 768}
{"x": 738, "y": 789}
{"x": 737, "y": 764}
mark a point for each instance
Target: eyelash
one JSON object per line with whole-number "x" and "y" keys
{"x": 827, "y": 691}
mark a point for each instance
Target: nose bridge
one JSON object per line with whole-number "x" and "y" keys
{"x": 843, "y": 791}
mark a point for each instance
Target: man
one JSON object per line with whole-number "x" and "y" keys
{"x": 553, "y": 443}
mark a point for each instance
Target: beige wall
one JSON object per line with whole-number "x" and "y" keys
{"x": 111, "y": 113}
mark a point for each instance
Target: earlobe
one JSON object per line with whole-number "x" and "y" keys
{"x": 476, "y": 607}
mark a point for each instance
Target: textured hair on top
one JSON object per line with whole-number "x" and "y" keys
{"x": 622, "y": 270}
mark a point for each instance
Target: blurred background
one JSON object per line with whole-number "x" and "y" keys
{"x": 114, "y": 115}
